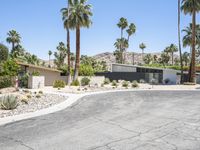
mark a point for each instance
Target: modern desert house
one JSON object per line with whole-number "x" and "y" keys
{"x": 147, "y": 74}
{"x": 49, "y": 74}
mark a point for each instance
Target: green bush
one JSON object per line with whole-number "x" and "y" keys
{"x": 85, "y": 81}
{"x": 38, "y": 96}
{"x": 107, "y": 81}
{"x": 9, "y": 102}
{"x": 3, "y": 53}
{"x": 86, "y": 70}
{"x": 5, "y": 81}
{"x": 125, "y": 84}
{"x": 114, "y": 83}
{"x": 135, "y": 84}
{"x": 59, "y": 84}
{"x": 9, "y": 68}
{"x": 75, "y": 83}
{"x": 35, "y": 73}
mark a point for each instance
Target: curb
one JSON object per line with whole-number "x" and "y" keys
{"x": 72, "y": 98}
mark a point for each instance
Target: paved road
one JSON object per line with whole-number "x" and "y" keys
{"x": 150, "y": 120}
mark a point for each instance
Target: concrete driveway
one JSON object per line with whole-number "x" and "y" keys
{"x": 143, "y": 120}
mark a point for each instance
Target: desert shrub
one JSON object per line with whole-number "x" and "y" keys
{"x": 29, "y": 96}
{"x": 9, "y": 102}
{"x": 107, "y": 81}
{"x": 59, "y": 84}
{"x": 125, "y": 84}
{"x": 75, "y": 83}
{"x": 5, "y": 81}
{"x": 167, "y": 81}
{"x": 142, "y": 81}
{"x": 135, "y": 84}
{"x": 24, "y": 99}
{"x": 38, "y": 96}
{"x": 40, "y": 92}
{"x": 85, "y": 81}
{"x": 114, "y": 83}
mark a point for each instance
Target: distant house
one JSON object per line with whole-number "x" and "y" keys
{"x": 50, "y": 74}
{"x": 147, "y": 74}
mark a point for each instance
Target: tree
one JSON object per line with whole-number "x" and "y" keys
{"x": 120, "y": 45}
{"x": 17, "y": 52}
{"x": 155, "y": 59}
{"x": 60, "y": 55}
{"x": 164, "y": 59}
{"x": 66, "y": 14}
{"x": 148, "y": 59}
{"x": 3, "y": 53}
{"x": 192, "y": 7}
{"x": 179, "y": 39}
{"x": 171, "y": 49}
{"x": 13, "y": 38}
{"x": 142, "y": 47}
{"x": 123, "y": 23}
{"x": 79, "y": 16}
{"x": 50, "y": 53}
{"x": 187, "y": 38}
{"x": 186, "y": 58}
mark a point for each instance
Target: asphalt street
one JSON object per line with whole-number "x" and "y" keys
{"x": 143, "y": 120}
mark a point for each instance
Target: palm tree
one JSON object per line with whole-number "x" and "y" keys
{"x": 50, "y": 53}
{"x": 66, "y": 14}
{"x": 192, "y": 7}
{"x": 123, "y": 23}
{"x": 186, "y": 58}
{"x": 179, "y": 39}
{"x": 171, "y": 49}
{"x": 120, "y": 45}
{"x": 187, "y": 38}
{"x": 142, "y": 47}
{"x": 79, "y": 16}
{"x": 13, "y": 38}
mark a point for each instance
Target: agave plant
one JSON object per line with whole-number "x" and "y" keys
{"x": 9, "y": 102}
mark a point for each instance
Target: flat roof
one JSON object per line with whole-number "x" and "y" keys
{"x": 38, "y": 67}
{"x": 146, "y": 67}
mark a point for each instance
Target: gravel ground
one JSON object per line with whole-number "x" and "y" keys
{"x": 34, "y": 104}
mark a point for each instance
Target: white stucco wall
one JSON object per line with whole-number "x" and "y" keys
{"x": 36, "y": 82}
{"x": 171, "y": 75}
{"x": 94, "y": 80}
{"x": 50, "y": 76}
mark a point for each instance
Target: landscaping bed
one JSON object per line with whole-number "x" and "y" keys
{"x": 30, "y": 102}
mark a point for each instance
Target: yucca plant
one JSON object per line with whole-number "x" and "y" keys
{"x": 9, "y": 102}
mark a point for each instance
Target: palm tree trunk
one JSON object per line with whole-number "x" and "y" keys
{"x": 49, "y": 62}
{"x": 192, "y": 77}
{"x": 172, "y": 58}
{"x": 133, "y": 58}
{"x": 77, "y": 65}
{"x": 68, "y": 57}
{"x": 179, "y": 38}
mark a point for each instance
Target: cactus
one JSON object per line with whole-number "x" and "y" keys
{"x": 9, "y": 102}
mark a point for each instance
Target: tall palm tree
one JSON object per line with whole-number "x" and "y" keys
{"x": 66, "y": 14}
{"x": 142, "y": 47}
{"x": 79, "y": 16}
{"x": 179, "y": 39}
{"x": 13, "y": 38}
{"x": 50, "y": 53}
{"x": 187, "y": 38}
{"x": 192, "y": 7}
{"x": 123, "y": 23}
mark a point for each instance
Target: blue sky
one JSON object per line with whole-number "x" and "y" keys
{"x": 40, "y": 24}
